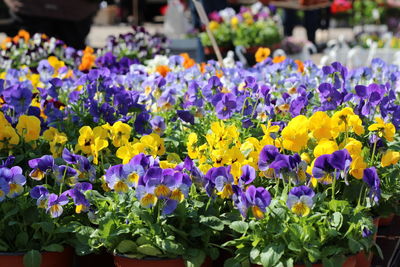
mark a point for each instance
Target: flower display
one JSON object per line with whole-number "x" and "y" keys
{"x": 168, "y": 158}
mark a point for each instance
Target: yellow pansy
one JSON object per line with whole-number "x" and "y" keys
{"x": 346, "y": 121}
{"x": 320, "y": 125}
{"x": 120, "y": 133}
{"x": 267, "y": 130}
{"x": 353, "y": 146}
{"x": 192, "y": 145}
{"x": 28, "y": 127}
{"x": 325, "y": 146}
{"x": 357, "y": 167}
{"x": 386, "y": 130}
{"x": 153, "y": 145}
{"x": 390, "y": 157}
{"x": 56, "y": 140}
{"x": 8, "y": 136}
{"x": 129, "y": 150}
{"x": 92, "y": 141}
{"x": 295, "y": 134}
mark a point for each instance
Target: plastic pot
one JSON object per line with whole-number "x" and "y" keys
{"x": 49, "y": 259}
{"x": 123, "y": 261}
{"x": 98, "y": 260}
{"x": 350, "y": 262}
{"x": 385, "y": 221}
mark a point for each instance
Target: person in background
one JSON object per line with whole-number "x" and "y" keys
{"x": 67, "y": 20}
{"x": 311, "y": 21}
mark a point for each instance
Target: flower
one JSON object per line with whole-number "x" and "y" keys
{"x": 262, "y": 54}
{"x": 300, "y": 200}
{"x": 346, "y": 121}
{"x": 295, "y": 134}
{"x": 92, "y": 141}
{"x": 28, "y": 128}
{"x": 40, "y": 193}
{"x": 328, "y": 166}
{"x": 55, "y": 203}
{"x": 56, "y": 140}
{"x": 390, "y": 157}
{"x": 16, "y": 181}
{"x": 256, "y": 199}
{"x": 267, "y": 156}
{"x": 122, "y": 177}
{"x": 77, "y": 195}
{"x": 40, "y": 167}
{"x": 386, "y": 130}
{"x": 226, "y": 106}
{"x": 371, "y": 178}
{"x": 8, "y": 136}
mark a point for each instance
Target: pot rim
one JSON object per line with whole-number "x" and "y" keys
{"x": 147, "y": 258}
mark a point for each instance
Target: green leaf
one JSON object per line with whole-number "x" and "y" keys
{"x": 126, "y": 246}
{"x": 171, "y": 247}
{"x": 3, "y": 246}
{"x": 21, "y": 240}
{"x": 239, "y": 226}
{"x": 354, "y": 246}
{"x": 142, "y": 240}
{"x": 149, "y": 250}
{"x": 271, "y": 255}
{"x": 32, "y": 258}
{"x": 294, "y": 246}
{"x": 337, "y": 220}
{"x": 212, "y": 222}
{"x": 232, "y": 262}
{"x": 53, "y": 248}
{"x": 195, "y": 258}
{"x": 254, "y": 253}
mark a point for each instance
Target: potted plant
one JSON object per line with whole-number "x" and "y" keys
{"x": 152, "y": 216}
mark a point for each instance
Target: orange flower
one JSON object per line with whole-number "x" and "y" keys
{"x": 219, "y": 73}
{"x": 188, "y": 61}
{"x": 202, "y": 67}
{"x": 5, "y": 42}
{"x": 88, "y": 59}
{"x": 300, "y": 65}
{"x": 163, "y": 70}
{"x": 262, "y": 54}
{"x": 279, "y": 59}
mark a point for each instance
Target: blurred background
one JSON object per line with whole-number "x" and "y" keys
{"x": 321, "y": 30}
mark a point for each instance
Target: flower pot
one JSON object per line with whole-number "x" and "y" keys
{"x": 364, "y": 260}
{"x": 122, "y": 261}
{"x": 385, "y": 221}
{"x": 350, "y": 262}
{"x": 209, "y": 50}
{"x": 98, "y": 260}
{"x": 49, "y": 259}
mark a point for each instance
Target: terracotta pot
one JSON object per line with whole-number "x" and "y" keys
{"x": 385, "y": 221}
{"x": 209, "y": 50}
{"x": 49, "y": 259}
{"x": 122, "y": 261}
{"x": 350, "y": 262}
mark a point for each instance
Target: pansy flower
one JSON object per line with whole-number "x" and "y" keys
{"x": 40, "y": 193}
{"x": 55, "y": 203}
{"x": 256, "y": 199}
{"x": 77, "y": 195}
{"x": 4, "y": 187}
{"x": 40, "y": 167}
{"x": 16, "y": 182}
{"x": 300, "y": 200}
{"x": 330, "y": 166}
{"x": 371, "y": 178}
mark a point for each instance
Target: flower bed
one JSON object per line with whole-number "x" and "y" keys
{"x": 282, "y": 163}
